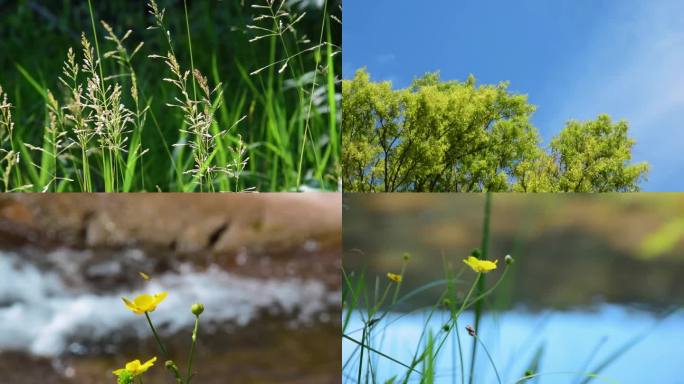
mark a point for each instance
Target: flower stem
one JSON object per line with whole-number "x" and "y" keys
{"x": 163, "y": 349}
{"x": 156, "y": 336}
{"x": 192, "y": 350}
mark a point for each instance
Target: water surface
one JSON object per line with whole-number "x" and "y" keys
{"x": 573, "y": 341}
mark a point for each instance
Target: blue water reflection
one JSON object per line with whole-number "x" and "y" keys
{"x": 570, "y": 339}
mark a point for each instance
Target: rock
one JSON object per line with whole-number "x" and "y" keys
{"x": 184, "y": 223}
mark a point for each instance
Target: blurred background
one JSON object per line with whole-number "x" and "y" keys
{"x": 591, "y": 273}
{"x": 266, "y": 268}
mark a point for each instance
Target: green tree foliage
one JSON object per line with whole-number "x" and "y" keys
{"x": 458, "y": 136}
{"x": 594, "y": 156}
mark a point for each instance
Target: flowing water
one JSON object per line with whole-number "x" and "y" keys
{"x": 63, "y": 320}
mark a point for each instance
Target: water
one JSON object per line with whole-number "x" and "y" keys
{"x": 50, "y": 312}
{"x": 569, "y": 339}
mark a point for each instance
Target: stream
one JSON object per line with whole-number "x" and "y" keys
{"x": 63, "y": 320}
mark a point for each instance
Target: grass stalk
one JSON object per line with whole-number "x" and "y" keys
{"x": 489, "y": 356}
{"x": 479, "y": 304}
{"x": 286, "y": 142}
{"x": 192, "y": 57}
{"x": 97, "y": 44}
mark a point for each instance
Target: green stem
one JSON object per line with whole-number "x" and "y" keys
{"x": 307, "y": 130}
{"x": 156, "y": 336}
{"x": 97, "y": 45}
{"x": 484, "y": 347}
{"x": 363, "y": 341}
{"x": 192, "y": 60}
{"x": 86, "y": 170}
{"x": 460, "y": 310}
{"x": 481, "y": 283}
{"x": 163, "y": 349}
{"x": 192, "y": 350}
{"x": 470, "y": 293}
{"x": 371, "y": 349}
{"x": 460, "y": 351}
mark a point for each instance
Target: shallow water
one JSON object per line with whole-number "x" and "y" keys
{"x": 512, "y": 337}
{"x": 68, "y": 327}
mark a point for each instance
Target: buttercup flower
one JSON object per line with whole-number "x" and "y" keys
{"x": 144, "y": 303}
{"x": 135, "y": 368}
{"x": 394, "y": 277}
{"x": 480, "y": 266}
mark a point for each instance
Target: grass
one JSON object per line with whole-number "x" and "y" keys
{"x": 170, "y": 96}
{"x": 379, "y": 303}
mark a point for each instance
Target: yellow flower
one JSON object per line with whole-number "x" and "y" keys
{"x": 481, "y": 266}
{"x": 135, "y": 368}
{"x": 144, "y": 303}
{"x": 394, "y": 277}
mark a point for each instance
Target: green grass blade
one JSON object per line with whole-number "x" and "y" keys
{"x": 479, "y": 305}
{"x": 627, "y": 346}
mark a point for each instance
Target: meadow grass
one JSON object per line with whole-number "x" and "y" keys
{"x": 170, "y": 96}
{"x": 379, "y": 302}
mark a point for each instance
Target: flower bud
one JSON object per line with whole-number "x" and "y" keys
{"x": 173, "y": 368}
{"x": 406, "y": 256}
{"x": 197, "y": 309}
{"x": 509, "y": 260}
{"x": 126, "y": 377}
{"x": 471, "y": 330}
{"x": 394, "y": 277}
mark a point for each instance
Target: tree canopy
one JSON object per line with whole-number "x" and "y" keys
{"x": 458, "y": 136}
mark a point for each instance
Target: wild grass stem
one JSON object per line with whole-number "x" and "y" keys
{"x": 479, "y": 305}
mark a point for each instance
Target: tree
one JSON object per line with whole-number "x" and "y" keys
{"x": 458, "y": 136}
{"x": 594, "y": 156}
{"x": 433, "y": 136}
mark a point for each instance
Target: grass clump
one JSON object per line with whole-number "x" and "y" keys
{"x": 8, "y": 157}
{"x": 193, "y": 102}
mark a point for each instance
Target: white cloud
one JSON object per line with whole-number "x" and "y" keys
{"x": 634, "y": 69}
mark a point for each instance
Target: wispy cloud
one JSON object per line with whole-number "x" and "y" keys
{"x": 634, "y": 69}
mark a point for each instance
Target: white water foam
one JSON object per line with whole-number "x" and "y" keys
{"x": 41, "y": 314}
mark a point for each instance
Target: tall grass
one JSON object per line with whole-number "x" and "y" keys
{"x": 221, "y": 96}
{"x": 380, "y": 302}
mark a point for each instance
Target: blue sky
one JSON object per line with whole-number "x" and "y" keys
{"x": 574, "y": 59}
